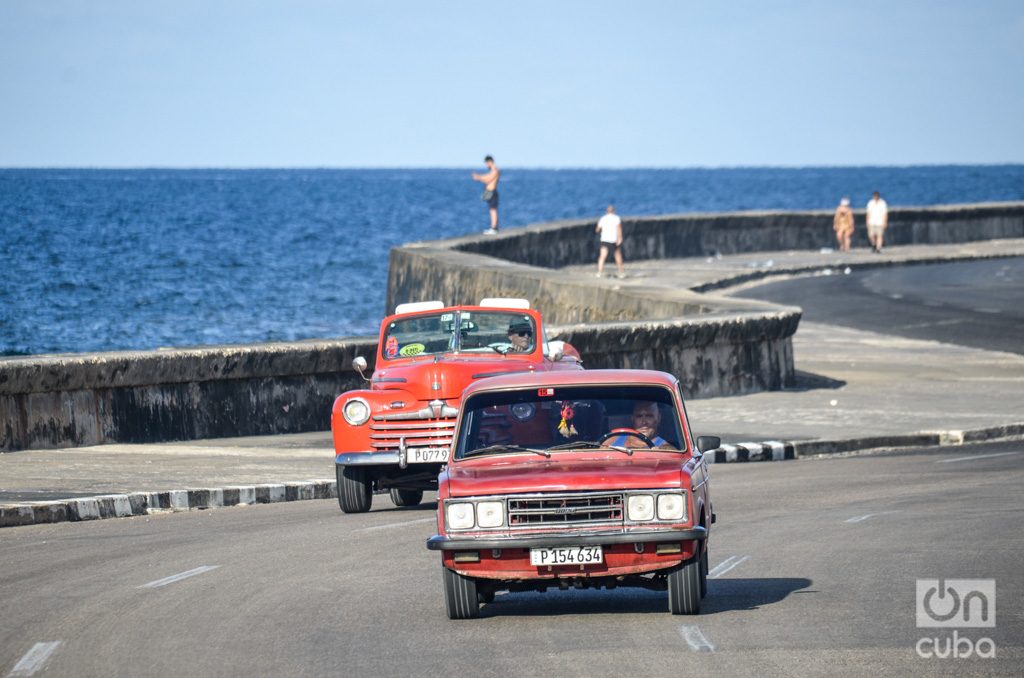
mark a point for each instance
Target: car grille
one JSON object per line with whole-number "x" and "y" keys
{"x": 565, "y": 510}
{"x": 385, "y": 435}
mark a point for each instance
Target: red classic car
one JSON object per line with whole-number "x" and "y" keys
{"x": 574, "y": 479}
{"x": 396, "y": 435}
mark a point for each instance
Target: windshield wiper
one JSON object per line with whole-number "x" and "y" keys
{"x": 591, "y": 445}
{"x": 507, "y": 448}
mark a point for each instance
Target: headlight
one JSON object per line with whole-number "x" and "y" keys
{"x": 671, "y": 507}
{"x": 459, "y": 516}
{"x": 640, "y": 507}
{"x": 490, "y": 514}
{"x": 356, "y": 412}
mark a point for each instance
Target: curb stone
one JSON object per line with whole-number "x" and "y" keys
{"x": 145, "y": 503}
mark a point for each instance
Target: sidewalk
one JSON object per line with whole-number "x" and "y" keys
{"x": 856, "y": 390}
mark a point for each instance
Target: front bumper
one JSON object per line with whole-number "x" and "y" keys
{"x": 442, "y": 543}
{"x": 366, "y": 458}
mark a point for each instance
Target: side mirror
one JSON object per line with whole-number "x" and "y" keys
{"x": 708, "y": 443}
{"x": 359, "y": 365}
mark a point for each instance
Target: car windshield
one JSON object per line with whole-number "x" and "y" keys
{"x": 489, "y": 332}
{"x": 623, "y": 418}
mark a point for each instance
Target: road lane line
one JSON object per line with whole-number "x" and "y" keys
{"x": 976, "y": 456}
{"x": 862, "y": 518}
{"x": 178, "y": 577}
{"x": 34, "y": 659}
{"x": 392, "y": 525}
{"x": 695, "y": 639}
{"x": 726, "y": 565}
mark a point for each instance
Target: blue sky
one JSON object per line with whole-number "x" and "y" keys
{"x": 303, "y": 83}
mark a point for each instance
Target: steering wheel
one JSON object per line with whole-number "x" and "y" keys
{"x": 615, "y": 432}
{"x": 501, "y": 347}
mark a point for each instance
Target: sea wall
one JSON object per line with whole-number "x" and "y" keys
{"x": 717, "y": 346}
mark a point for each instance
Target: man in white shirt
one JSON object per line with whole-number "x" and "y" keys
{"x": 610, "y": 228}
{"x": 877, "y": 221}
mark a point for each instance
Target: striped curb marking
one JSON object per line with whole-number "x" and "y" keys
{"x": 144, "y": 503}
{"x": 771, "y": 450}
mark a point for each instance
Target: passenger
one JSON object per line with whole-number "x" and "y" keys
{"x": 520, "y": 335}
{"x": 646, "y": 419}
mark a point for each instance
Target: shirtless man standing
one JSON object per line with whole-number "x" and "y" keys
{"x": 490, "y": 195}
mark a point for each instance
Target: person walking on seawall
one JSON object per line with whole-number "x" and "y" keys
{"x": 877, "y": 221}
{"x": 842, "y": 224}
{"x": 490, "y": 195}
{"x": 610, "y": 228}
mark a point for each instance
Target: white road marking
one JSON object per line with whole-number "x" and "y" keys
{"x": 862, "y": 518}
{"x": 391, "y": 525}
{"x": 34, "y": 659}
{"x": 726, "y": 565}
{"x": 976, "y": 456}
{"x": 695, "y": 639}
{"x": 178, "y": 577}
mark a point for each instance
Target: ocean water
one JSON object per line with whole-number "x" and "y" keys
{"x": 94, "y": 260}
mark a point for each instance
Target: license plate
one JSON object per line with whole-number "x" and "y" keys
{"x": 426, "y": 455}
{"x": 567, "y": 555}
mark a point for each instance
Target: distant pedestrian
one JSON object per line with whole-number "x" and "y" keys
{"x": 610, "y": 228}
{"x": 877, "y": 221}
{"x": 490, "y": 195}
{"x": 842, "y": 224}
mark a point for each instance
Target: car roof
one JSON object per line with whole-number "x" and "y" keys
{"x": 573, "y": 378}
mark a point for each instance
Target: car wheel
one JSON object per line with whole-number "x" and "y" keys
{"x": 355, "y": 493}
{"x": 704, "y": 572}
{"x": 460, "y": 595}
{"x": 684, "y": 588}
{"x": 406, "y": 497}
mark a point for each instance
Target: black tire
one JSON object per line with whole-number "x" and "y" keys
{"x": 704, "y": 572}
{"x": 684, "y": 588}
{"x": 406, "y": 497}
{"x": 355, "y": 491}
{"x": 460, "y": 596}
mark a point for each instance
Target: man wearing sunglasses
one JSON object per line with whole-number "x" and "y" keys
{"x": 520, "y": 335}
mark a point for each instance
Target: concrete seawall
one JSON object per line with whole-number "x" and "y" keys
{"x": 717, "y": 346}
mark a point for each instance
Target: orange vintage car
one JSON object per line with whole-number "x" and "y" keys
{"x": 396, "y": 435}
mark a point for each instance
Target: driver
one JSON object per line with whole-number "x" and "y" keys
{"x": 520, "y": 335}
{"x": 646, "y": 418}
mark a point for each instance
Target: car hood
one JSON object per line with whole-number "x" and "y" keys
{"x": 447, "y": 377}
{"x": 567, "y": 472}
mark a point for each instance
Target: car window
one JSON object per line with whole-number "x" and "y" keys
{"x": 564, "y": 417}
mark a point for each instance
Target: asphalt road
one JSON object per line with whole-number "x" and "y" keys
{"x": 978, "y": 304}
{"x": 814, "y": 570}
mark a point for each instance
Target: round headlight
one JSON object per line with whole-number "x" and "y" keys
{"x": 356, "y": 412}
{"x": 671, "y": 507}
{"x": 459, "y": 516}
{"x": 640, "y": 507}
{"x": 490, "y": 514}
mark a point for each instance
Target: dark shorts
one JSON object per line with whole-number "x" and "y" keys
{"x": 492, "y": 202}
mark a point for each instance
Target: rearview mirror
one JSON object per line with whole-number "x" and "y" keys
{"x": 708, "y": 443}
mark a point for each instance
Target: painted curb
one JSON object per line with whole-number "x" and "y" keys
{"x": 145, "y": 503}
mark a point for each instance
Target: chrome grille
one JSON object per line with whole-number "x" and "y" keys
{"x": 566, "y": 510}
{"x": 385, "y": 435}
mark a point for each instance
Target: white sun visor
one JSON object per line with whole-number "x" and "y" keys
{"x": 503, "y": 302}
{"x": 417, "y": 306}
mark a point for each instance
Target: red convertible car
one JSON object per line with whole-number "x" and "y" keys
{"x": 396, "y": 435}
{"x": 574, "y": 479}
